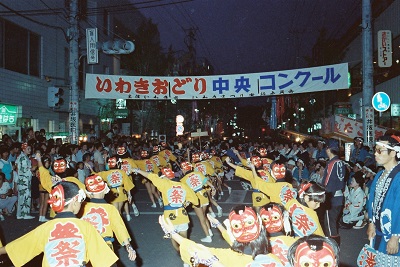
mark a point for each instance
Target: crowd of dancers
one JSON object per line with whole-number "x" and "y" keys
{"x": 280, "y": 228}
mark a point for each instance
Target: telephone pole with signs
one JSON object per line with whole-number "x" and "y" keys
{"x": 73, "y": 72}
{"x": 367, "y": 72}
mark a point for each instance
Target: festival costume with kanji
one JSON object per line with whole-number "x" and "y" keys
{"x": 106, "y": 219}
{"x": 127, "y": 165}
{"x": 259, "y": 198}
{"x": 205, "y": 167}
{"x": 174, "y": 195}
{"x": 197, "y": 181}
{"x": 65, "y": 241}
{"x": 160, "y": 161}
{"x": 280, "y": 245}
{"x": 119, "y": 184}
{"x": 384, "y": 209}
{"x": 304, "y": 220}
{"x": 167, "y": 155}
{"x": 217, "y": 165}
{"x": 147, "y": 165}
{"x": 24, "y": 185}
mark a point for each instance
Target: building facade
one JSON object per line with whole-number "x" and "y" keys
{"x": 34, "y": 55}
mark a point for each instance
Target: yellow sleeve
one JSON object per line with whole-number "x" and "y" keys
{"x": 190, "y": 195}
{"x": 45, "y": 179}
{"x": 273, "y": 190}
{"x": 31, "y": 244}
{"x": 128, "y": 184}
{"x": 226, "y": 256}
{"x": 156, "y": 180}
{"x": 118, "y": 225}
{"x": 226, "y": 237}
{"x": 98, "y": 252}
{"x": 245, "y": 174}
{"x": 244, "y": 162}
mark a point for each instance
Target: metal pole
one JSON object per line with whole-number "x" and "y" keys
{"x": 273, "y": 119}
{"x": 368, "y": 84}
{"x": 73, "y": 73}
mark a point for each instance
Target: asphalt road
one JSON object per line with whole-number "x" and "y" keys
{"x": 154, "y": 251}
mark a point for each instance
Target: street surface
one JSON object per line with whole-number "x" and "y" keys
{"x": 153, "y": 250}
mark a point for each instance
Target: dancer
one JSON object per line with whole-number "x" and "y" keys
{"x": 105, "y": 217}
{"x": 176, "y": 197}
{"x": 84, "y": 243}
{"x": 197, "y": 182}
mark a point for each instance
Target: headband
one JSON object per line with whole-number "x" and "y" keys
{"x": 304, "y": 187}
{"x": 395, "y": 148}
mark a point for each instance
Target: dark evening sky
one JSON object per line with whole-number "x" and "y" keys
{"x": 254, "y": 35}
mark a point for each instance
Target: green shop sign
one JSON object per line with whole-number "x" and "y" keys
{"x": 8, "y": 114}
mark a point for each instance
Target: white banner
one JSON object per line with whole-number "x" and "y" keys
{"x": 384, "y": 49}
{"x": 332, "y": 77}
{"x": 91, "y": 46}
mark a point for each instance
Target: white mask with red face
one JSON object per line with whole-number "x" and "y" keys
{"x": 314, "y": 255}
{"x": 272, "y": 219}
{"x": 245, "y": 226}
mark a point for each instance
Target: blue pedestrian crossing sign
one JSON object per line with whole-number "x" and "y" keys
{"x": 381, "y": 101}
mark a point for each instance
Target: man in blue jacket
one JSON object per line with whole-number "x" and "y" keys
{"x": 334, "y": 182}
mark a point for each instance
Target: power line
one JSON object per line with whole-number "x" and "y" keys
{"x": 34, "y": 21}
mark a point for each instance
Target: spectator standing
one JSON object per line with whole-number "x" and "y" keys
{"x": 318, "y": 173}
{"x": 98, "y": 159}
{"x": 83, "y": 149}
{"x": 320, "y": 151}
{"x": 24, "y": 169}
{"x": 14, "y": 152}
{"x": 383, "y": 208}
{"x": 6, "y": 166}
{"x": 334, "y": 182}
{"x": 359, "y": 153}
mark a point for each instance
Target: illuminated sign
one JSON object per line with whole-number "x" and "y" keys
{"x": 8, "y": 114}
{"x": 179, "y": 125}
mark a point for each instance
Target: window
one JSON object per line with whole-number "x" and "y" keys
{"x": 19, "y": 49}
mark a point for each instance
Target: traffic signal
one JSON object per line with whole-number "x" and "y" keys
{"x": 54, "y": 99}
{"x": 118, "y": 47}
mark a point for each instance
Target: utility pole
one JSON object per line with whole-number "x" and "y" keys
{"x": 73, "y": 35}
{"x": 367, "y": 71}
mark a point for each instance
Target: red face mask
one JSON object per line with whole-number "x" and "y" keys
{"x": 195, "y": 157}
{"x": 256, "y": 161}
{"x": 95, "y": 184}
{"x": 186, "y": 166}
{"x": 112, "y": 162}
{"x": 279, "y": 171}
{"x": 272, "y": 219}
{"x": 245, "y": 225}
{"x": 60, "y": 165}
{"x": 305, "y": 256}
{"x": 144, "y": 154}
{"x": 263, "y": 152}
{"x": 168, "y": 173}
{"x": 121, "y": 150}
{"x": 56, "y": 199}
